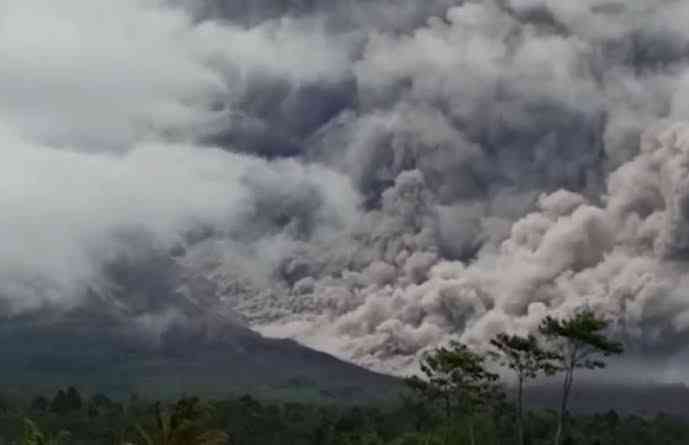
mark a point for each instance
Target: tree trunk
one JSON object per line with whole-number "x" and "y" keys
{"x": 520, "y": 412}
{"x": 569, "y": 377}
{"x": 448, "y": 413}
{"x": 472, "y": 438}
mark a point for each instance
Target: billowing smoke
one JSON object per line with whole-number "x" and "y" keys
{"x": 369, "y": 177}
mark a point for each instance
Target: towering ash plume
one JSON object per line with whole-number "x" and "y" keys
{"x": 372, "y": 178}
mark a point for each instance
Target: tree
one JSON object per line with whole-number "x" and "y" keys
{"x": 98, "y": 404}
{"x": 5, "y": 405}
{"x": 40, "y": 405}
{"x": 181, "y": 426}
{"x": 527, "y": 359}
{"x": 74, "y": 401}
{"x": 60, "y": 404}
{"x": 457, "y": 378}
{"x": 418, "y": 410}
{"x": 578, "y": 342}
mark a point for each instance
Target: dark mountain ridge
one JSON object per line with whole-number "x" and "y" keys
{"x": 205, "y": 357}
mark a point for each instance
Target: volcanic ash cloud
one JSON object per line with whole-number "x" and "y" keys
{"x": 622, "y": 258}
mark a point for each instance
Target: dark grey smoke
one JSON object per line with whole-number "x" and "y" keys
{"x": 388, "y": 15}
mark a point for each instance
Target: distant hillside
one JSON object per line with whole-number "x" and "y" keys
{"x": 640, "y": 399}
{"x": 208, "y": 360}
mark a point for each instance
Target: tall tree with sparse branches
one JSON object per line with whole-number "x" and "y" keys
{"x": 577, "y": 342}
{"x": 527, "y": 359}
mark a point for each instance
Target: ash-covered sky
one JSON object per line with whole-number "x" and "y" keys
{"x": 370, "y": 177}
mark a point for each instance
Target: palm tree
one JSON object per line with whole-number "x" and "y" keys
{"x": 181, "y": 427}
{"x": 34, "y": 436}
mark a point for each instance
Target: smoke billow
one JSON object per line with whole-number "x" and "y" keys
{"x": 372, "y": 178}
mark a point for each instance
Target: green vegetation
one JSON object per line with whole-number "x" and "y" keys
{"x": 458, "y": 400}
{"x": 456, "y": 378}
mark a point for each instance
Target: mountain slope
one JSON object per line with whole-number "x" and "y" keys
{"x": 208, "y": 357}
